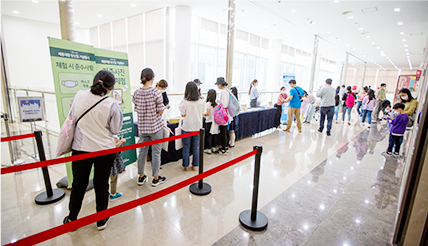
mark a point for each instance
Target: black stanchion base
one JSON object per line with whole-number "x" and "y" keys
{"x": 259, "y": 224}
{"x": 43, "y": 199}
{"x": 194, "y": 189}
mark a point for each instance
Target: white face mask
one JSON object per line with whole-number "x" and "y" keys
{"x": 405, "y": 98}
{"x": 199, "y": 87}
{"x": 283, "y": 92}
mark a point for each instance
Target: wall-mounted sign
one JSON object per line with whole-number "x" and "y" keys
{"x": 30, "y": 109}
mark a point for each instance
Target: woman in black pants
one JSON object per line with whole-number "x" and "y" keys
{"x": 224, "y": 99}
{"x": 94, "y": 132}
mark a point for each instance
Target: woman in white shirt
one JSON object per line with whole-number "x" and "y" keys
{"x": 254, "y": 93}
{"x": 224, "y": 99}
{"x": 192, "y": 109}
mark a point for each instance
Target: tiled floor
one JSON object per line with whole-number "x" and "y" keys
{"x": 301, "y": 197}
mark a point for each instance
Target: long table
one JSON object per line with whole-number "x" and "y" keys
{"x": 246, "y": 124}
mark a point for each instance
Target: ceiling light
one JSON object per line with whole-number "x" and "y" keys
{"x": 406, "y": 49}
{"x": 328, "y": 32}
{"x": 402, "y": 33}
{"x": 400, "y": 23}
{"x": 347, "y": 44}
{"x": 265, "y": 26}
{"x": 16, "y": 12}
{"x": 133, "y": 5}
{"x": 100, "y": 15}
{"x": 351, "y": 17}
{"x": 404, "y": 40}
{"x": 361, "y": 28}
{"x": 397, "y": 9}
{"x": 294, "y": 11}
{"x": 76, "y": 23}
{"x": 405, "y": 45}
{"x": 378, "y": 47}
{"x": 367, "y": 36}
{"x": 373, "y": 42}
{"x": 336, "y": 1}
{"x": 35, "y": 1}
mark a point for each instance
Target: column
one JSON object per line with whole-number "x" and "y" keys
{"x": 375, "y": 80}
{"x": 66, "y": 15}
{"x": 230, "y": 42}
{"x": 355, "y": 77}
{"x": 345, "y": 69}
{"x": 364, "y": 77}
{"x": 183, "y": 38}
{"x": 314, "y": 64}
{"x": 274, "y": 71}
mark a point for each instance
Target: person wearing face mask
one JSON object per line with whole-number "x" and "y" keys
{"x": 409, "y": 102}
{"x": 161, "y": 86}
{"x": 278, "y": 105}
{"x": 254, "y": 93}
{"x": 380, "y": 96}
{"x": 199, "y": 83}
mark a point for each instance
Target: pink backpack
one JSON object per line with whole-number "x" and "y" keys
{"x": 350, "y": 100}
{"x": 220, "y": 115}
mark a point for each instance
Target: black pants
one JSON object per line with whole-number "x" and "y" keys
{"x": 329, "y": 112}
{"x": 208, "y": 137}
{"x": 81, "y": 172}
{"x": 278, "y": 114}
{"x": 224, "y": 135}
{"x": 394, "y": 141}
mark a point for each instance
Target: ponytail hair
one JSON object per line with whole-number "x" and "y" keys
{"x": 103, "y": 81}
{"x": 162, "y": 83}
{"x": 146, "y": 75}
{"x": 251, "y": 86}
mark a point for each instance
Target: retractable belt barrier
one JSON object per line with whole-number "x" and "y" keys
{"x": 12, "y": 138}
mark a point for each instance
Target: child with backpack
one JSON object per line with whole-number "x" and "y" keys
{"x": 349, "y": 102}
{"x": 369, "y": 103}
{"x": 210, "y": 105}
{"x": 192, "y": 109}
{"x": 398, "y": 127}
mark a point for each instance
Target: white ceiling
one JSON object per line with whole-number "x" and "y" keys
{"x": 286, "y": 20}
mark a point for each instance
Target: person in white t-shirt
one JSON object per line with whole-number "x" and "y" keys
{"x": 211, "y": 106}
{"x": 192, "y": 109}
{"x": 224, "y": 99}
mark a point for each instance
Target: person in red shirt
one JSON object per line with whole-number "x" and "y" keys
{"x": 279, "y": 102}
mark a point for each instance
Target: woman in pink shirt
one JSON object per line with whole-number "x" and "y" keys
{"x": 281, "y": 99}
{"x": 369, "y": 103}
{"x": 361, "y": 97}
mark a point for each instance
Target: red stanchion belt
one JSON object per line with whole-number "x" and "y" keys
{"x": 6, "y": 139}
{"x": 59, "y": 230}
{"x": 23, "y": 167}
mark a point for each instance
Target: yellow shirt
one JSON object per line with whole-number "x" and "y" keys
{"x": 410, "y": 107}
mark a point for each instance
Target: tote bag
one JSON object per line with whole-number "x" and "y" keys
{"x": 66, "y": 134}
{"x": 234, "y": 107}
{"x": 178, "y": 142}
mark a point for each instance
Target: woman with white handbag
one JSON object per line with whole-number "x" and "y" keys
{"x": 93, "y": 132}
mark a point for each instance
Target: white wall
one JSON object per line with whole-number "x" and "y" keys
{"x": 27, "y": 51}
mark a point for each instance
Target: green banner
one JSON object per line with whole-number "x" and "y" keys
{"x": 74, "y": 66}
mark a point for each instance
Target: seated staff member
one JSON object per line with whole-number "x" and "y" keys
{"x": 94, "y": 132}
{"x": 254, "y": 93}
{"x": 149, "y": 106}
{"x": 409, "y": 102}
{"x": 278, "y": 105}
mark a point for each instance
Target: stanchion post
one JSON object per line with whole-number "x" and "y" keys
{"x": 50, "y": 195}
{"x": 201, "y": 188}
{"x": 253, "y": 219}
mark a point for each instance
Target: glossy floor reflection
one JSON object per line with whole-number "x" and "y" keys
{"x": 348, "y": 199}
{"x": 299, "y": 195}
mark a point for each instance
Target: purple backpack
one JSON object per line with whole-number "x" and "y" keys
{"x": 220, "y": 115}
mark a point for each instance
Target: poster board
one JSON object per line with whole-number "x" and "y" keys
{"x": 74, "y": 66}
{"x": 406, "y": 81}
{"x": 30, "y": 109}
{"x": 286, "y": 77}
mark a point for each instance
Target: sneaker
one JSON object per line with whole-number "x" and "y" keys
{"x": 319, "y": 130}
{"x": 208, "y": 151}
{"x": 328, "y": 133}
{"x": 160, "y": 180}
{"x": 66, "y": 220}
{"x": 396, "y": 154}
{"x": 368, "y": 126}
{"x": 185, "y": 168}
{"x": 349, "y": 123}
{"x": 142, "y": 180}
{"x": 223, "y": 152}
{"x": 215, "y": 151}
{"x": 232, "y": 146}
{"x": 286, "y": 130}
{"x": 102, "y": 224}
{"x": 337, "y": 122}
{"x": 115, "y": 197}
{"x": 194, "y": 168}
{"x": 386, "y": 153}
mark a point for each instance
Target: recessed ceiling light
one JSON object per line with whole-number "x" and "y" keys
{"x": 378, "y": 47}
{"x": 400, "y": 23}
{"x": 294, "y": 11}
{"x": 404, "y": 40}
{"x": 76, "y": 23}
{"x": 402, "y": 33}
{"x": 351, "y": 17}
{"x": 336, "y": 1}
{"x": 264, "y": 26}
{"x": 406, "y": 49}
{"x": 405, "y": 45}
{"x": 328, "y": 32}
{"x": 361, "y": 28}
{"x": 367, "y": 36}
{"x": 338, "y": 39}
{"x": 373, "y": 42}
{"x": 35, "y": 1}
{"x": 397, "y": 9}
{"x": 16, "y": 12}
{"x": 347, "y": 44}
{"x": 100, "y": 15}
{"x": 133, "y": 5}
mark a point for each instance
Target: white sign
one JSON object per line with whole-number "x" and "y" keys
{"x": 30, "y": 109}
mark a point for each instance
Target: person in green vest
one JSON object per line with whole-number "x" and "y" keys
{"x": 380, "y": 96}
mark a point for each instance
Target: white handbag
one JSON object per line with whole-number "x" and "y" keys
{"x": 178, "y": 142}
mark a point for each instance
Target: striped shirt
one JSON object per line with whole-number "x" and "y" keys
{"x": 148, "y": 102}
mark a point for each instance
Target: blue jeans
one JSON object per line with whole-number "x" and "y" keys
{"x": 156, "y": 152}
{"x": 394, "y": 141}
{"x": 329, "y": 112}
{"x": 349, "y": 109}
{"x": 310, "y": 112}
{"x": 188, "y": 142}
{"x": 336, "y": 111}
{"x": 359, "y": 105}
{"x": 367, "y": 113}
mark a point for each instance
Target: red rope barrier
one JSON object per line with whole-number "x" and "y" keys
{"x": 62, "y": 229}
{"x": 20, "y": 168}
{"x": 6, "y": 139}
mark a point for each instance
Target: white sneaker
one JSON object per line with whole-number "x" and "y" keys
{"x": 368, "y": 126}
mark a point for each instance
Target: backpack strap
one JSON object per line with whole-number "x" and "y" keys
{"x": 298, "y": 93}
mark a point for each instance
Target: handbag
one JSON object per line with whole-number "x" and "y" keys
{"x": 66, "y": 134}
{"x": 178, "y": 142}
{"x": 234, "y": 108}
